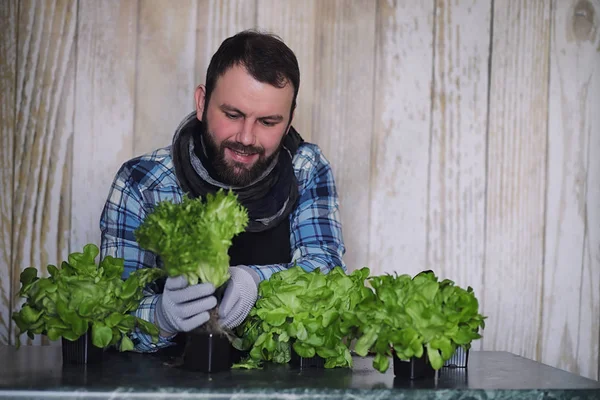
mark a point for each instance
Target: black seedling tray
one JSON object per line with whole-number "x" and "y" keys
{"x": 81, "y": 351}
{"x": 301, "y": 362}
{"x": 207, "y": 352}
{"x": 415, "y": 368}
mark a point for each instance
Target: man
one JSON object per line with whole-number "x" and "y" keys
{"x": 239, "y": 137}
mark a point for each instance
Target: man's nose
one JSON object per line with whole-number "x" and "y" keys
{"x": 246, "y": 134}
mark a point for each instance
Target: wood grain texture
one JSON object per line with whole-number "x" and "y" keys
{"x": 516, "y": 177}
{"x": 43, "y": 141}
{"x": 105, "y": 92}
{"x": 456, "y": 215}
{"x": 217, "y": 20}
{"x": 571, "y": 303}
{"x": 399, "y": 158}
{"x": 377, "y": 79}
{"x": 589, "y": 357}
{"x": 8, "y": 78}
{"x": 294, "y": 22}
{"x": 164, "y": 90}
{"x": 343, "y": 111}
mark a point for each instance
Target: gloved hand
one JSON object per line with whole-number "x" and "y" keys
{"x": 239, "y": 297}
{"x": 182, "y": 307}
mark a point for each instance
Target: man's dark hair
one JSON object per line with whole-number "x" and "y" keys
{"x": 264, "y": 55}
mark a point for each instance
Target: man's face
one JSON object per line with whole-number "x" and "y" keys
{"x": 245, "y": 121}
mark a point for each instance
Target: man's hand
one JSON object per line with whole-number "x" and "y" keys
{"x": 240, "y": 296}
{"x": 182, "y": 307}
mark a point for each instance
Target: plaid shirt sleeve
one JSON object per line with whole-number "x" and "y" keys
{"x": 123, "y": 212}
{"x": 315, "y": 226}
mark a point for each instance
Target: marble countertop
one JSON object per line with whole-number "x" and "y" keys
{"x": 37, "y": 372}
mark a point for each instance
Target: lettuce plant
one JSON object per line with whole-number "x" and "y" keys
{"x": 82, "y": 295}
{"x": 301, "y": 311}
{"x": 412, "y": 315}
{"x": 193, "y": 237}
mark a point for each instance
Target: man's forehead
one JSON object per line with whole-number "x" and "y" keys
{"x": 239, "y": 72}
{"x": 238, "y": 89}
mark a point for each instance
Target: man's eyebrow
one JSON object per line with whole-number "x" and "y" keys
{"x": 230, "y": 108}
{"x": 275, "y": 118}
{"x": 227, "y": 107}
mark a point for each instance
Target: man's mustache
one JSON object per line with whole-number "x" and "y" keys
{"x": 241, "y": 148}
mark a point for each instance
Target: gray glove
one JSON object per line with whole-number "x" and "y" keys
{"x": 182, "y": 307}
{"x": 239, "y": 297}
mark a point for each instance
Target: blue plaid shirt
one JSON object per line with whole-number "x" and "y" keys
{"x": 315, "y": 228}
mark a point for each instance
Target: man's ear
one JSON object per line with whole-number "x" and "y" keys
{"x": 200, "y": 97}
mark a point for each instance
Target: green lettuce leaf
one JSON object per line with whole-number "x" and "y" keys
{"x": 83, "y": 296}
{"x": 304, "y": 312}
{"x": 408, "y": 316}
{"x": 193, "y": 237}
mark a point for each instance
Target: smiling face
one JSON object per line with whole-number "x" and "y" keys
{"x": 246, "y": 121}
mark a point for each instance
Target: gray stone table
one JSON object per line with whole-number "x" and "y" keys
{"x": 38, "y": 372}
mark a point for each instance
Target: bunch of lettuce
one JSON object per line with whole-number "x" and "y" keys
{"x": 82, "y": 294}
{"x": 410, "y": 316}
{"x": 193, "y": 237}
{"x": 301, "y": 311}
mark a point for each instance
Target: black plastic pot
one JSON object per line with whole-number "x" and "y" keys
{"x": 301, "y": 362}
{"x": 460, "y": 359}
{"x": 207, "y": 352}
{"x": 415, "y": 368}
{"x": 458, "y": 375}
{"x": 237, "y": 355}
{"x": 81, "y": 351}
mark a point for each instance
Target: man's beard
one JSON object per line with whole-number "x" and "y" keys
{"x": 235, "y": 173}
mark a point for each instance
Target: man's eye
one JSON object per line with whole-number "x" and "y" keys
{"x": 268, "y": 123}
{"x": 232, "y": 116}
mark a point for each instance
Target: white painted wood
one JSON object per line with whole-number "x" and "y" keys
{"x": 588, "y": 355}
{"x": 456, "y": 214}
{"x": 218, "y": 20}
{"x": 400, "y": 152}
{"x": 43, "y": 141}
{"x": 343, "y": 111}
{"x": 165, "y": 84}
{"x": 367, "y": 98}
{"x": 294, "y": 22}
{"x": 571, "y": 302}
{"x": 105, "y": 92}
{"x": 8, "y": 77}
{"x": 516, "y": 177}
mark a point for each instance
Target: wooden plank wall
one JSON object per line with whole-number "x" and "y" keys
{"x": 516, "y": 175}
{"x": 571, "y": 273}
{"x": 8, "y": 75}
{"x": 465, "y": 138}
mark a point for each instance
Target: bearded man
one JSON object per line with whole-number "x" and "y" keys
{"x": 239, "y": 137}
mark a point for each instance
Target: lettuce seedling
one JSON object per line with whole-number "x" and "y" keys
{"x": 301, "y": 311}
{"x": 413, "y": 315}
{"x": 82, "y": 295}
{"x": 192, "y": 238}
